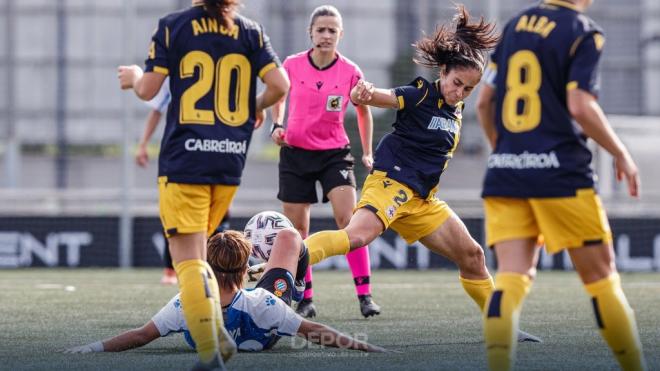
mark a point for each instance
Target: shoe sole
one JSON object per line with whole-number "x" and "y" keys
{"x": 370, "y": 314}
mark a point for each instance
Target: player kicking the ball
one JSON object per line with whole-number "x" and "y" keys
{"x": 250, "y": 315}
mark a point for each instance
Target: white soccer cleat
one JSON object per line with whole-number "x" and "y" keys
{"x": 227, "y": 345}
{"x": 526, "y": 337}
{"x": 254, "y": 272}
{"x": 82, "y": 349}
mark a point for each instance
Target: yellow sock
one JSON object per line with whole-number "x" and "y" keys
{"x": 198, "y": 306}
{"x": 479, "y": 290}
{"x": 616, "y": 322}
{"x": 226, "y": 343}
{"x": 325, "y": 244}
{"x": 501, "y": 319}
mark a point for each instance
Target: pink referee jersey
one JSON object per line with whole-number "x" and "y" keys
{"x": 317, "y": 101}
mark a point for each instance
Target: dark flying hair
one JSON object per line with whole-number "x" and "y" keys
{"x": 463, "y": 46}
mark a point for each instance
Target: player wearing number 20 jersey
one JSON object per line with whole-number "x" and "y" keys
{"x": 545, "y": 51}
{"x": 213, "y": 71}
{"x": 212, "y": 56}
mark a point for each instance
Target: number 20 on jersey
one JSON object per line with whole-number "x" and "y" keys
{"x": 220, "y": 72}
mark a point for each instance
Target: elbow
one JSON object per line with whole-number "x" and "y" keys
{"x": 140, "y": 338}
{"x": 484, "y": 107}
{"x": 577, "y": 109}
{"x": 282, "y": 88}
{"x": 481, "y": 108}
{"x": 145, "y": 94}
{"x": 581, "y": 105}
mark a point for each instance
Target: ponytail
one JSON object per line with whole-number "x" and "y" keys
{"x": 222, "y": 10}
{"x": 463, "y": 46}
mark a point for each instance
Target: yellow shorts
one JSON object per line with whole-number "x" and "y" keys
{"x": 564, "y": 222}
{"x": 401, "y": 209}
{"x": 192, "y": 208}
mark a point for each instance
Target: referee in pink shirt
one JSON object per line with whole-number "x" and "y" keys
{"x": 315, "y": 146}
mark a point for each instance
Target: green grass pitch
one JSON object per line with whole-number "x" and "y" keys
{"x": 426, "y": 316}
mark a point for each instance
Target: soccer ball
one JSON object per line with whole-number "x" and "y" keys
{"x": 262, "y": 229}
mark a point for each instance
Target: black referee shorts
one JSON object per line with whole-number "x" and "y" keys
{"x": 300, "y": 169}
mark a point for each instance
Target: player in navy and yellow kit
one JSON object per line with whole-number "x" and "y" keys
{"x": 400, "y": 191}
{"x": 213, "y": 58}
{"x": 543, "y": 79}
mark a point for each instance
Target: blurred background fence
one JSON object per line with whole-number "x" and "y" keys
{"x": 68, "y": 134}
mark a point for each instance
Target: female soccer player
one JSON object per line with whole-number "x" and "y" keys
{"x": 400, "y": 191}
{"x": 542, "y": 79}
{"x": 212, "y": 56}
{"x": 253, "y": 314}
{"x": 315, "y": 146}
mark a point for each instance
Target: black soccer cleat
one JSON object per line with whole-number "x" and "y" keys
{"x": 306, "y": 308}
{"x": 525, "y": 337}
{"x": 368, "y": 307}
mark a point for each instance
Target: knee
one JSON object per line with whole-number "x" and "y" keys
{"x": 358, "y": 239}
{"x": 473, "y": 258}
{"x": 290, "y": 238}
{"x": 342, "y": 220}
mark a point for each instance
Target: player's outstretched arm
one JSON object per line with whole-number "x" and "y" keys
{"x": 587, "y": 112}
{"x": 365, "y": 93}
{"x": 146, "y": 85}
{"x": 127, "y": 340}
{"x": 327, "y": 336}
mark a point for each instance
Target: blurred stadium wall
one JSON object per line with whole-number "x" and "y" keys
{"x": 67, "y": 133}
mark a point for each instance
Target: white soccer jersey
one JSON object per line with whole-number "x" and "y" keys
{"x": 255, "y": 319}
{"x": 162, "y": 99}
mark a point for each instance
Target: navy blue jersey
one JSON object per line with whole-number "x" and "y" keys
{"x": 212, "y": 72}
{"x": 545, "y": 51}
{"x": 425, "y": 135}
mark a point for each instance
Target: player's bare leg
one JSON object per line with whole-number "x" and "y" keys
{"x": 363, "y": 228}
{"x": 453, "y": 241}
{"x": 299, "y": 215}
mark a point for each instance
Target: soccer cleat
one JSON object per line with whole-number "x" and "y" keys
{"x": 255, "y": 272}
{"x": 525, "y": 337}
{"x": 306, "y": 308}
{"x": 368, "y": 307}
{"x": 215, "y": 365}
{"x": 226, "y": 344}
{"x": 299, "y": 290}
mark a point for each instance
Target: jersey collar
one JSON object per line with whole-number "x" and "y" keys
{"x": 311, "y": 61}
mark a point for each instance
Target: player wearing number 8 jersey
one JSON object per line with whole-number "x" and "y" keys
{"x": 543, "y": 79}
{"x": 213, "y": 57}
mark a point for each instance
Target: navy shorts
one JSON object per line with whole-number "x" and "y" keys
{"x": 279, "y": 281}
